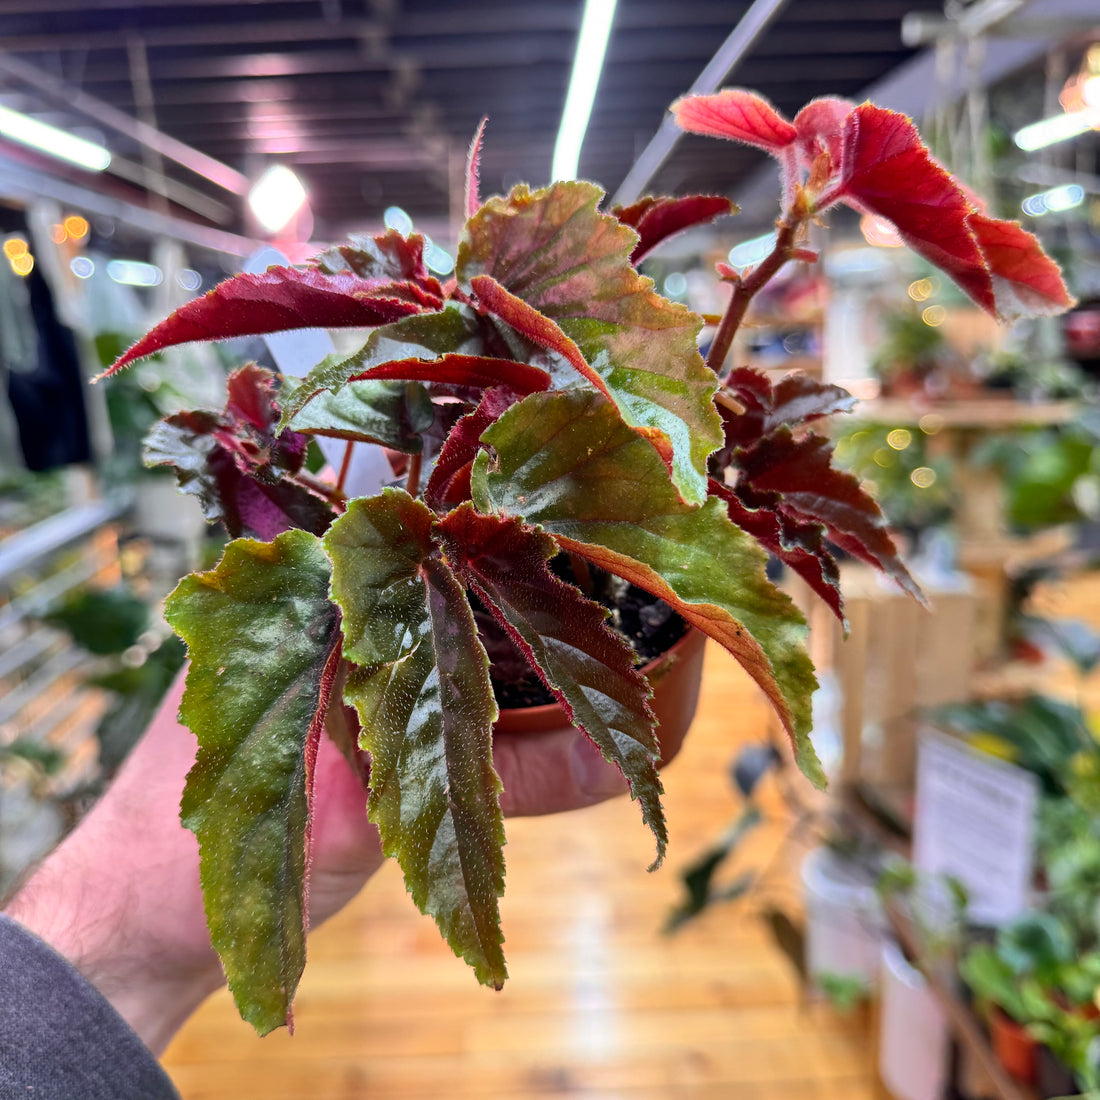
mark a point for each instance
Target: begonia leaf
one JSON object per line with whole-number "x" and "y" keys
{"x": 820, "y": 127}
{"x": 566, "y": 462}
{"x": 455, "y": 330}
{"x": 473, "y": 170}
{"x": 1026, "y": 281}
{"x": 793, "y": 400}
{"x": 426, "y": 708}
{"x": 449, "y": 482}
{"x": 799, "y": 471}
{"x": 735, "y": 114}
{"x": 263, "y": 640}
{"x": 888, "y": 171}
{"x": 586, "y": 665}
{"x": 393, "y": 414}
{"x": 241, "y": 472}
{"x": 797, "y": 543}
{"x": 555, "y": 251}
{"x": 278, "y": 299}
{"x": 656, "y": 219}
{"x": 386, "y": 257}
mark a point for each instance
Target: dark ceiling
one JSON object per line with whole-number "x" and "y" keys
{"x": 373, "y": 102}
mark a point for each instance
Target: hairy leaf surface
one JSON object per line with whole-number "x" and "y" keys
{"x": 427, "y": 710}
{"x": 278, "y": 299}
{"x": 735, "y": 114}
{"x": 656, "y": 219}
{"x": 263, "y": 640}
{"x": 588, "y": 667}
{"x": 567, "y": 462}
{"x": 1026, "y": 281}
{"x": 556, "y": 252}
{"x": 455, "y": 330}
{"x": 796, "y": 542}
{"x": 394, "y": 414}
{"x": 385, "y": 257}
{"x": 801, "y": 473}
{"x": 888, "y": 171}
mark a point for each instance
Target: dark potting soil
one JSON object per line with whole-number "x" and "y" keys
{"x": 648, "y": 623}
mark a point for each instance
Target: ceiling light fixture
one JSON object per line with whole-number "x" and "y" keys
{"x": 587, "y": 66}
{"x": 276, "y": 197}
{"x": 52, "y": 141}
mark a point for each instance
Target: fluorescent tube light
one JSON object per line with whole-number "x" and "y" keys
{"x": 276, "y": 197}
{"x": 49, "y": 139}
{"x": 1049, "y": 131}
{"x": 587, "y": 66}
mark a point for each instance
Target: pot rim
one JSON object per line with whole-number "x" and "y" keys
{"x": 544, "y": 712}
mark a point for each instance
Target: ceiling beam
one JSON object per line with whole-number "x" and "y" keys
{"x": 235, "y": 31}
{"x": 192, "y": 159}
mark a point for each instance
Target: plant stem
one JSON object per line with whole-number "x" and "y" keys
{"x": 412, "y": 483}
{"x": 746, "y": 288}
{"x": 345, "y": 465}
{"x": 331, "y": 493}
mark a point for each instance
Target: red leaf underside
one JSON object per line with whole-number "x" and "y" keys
{"x": 811, "y": 490}
{"x": 473, "y": 170}
{"x": 738, "y": 115}
{"x": 799, "y": 545}
{"x": 279, "y": 299}
{"x": 1026, "y": 281}
{"x": 532, "y": 324}
{"x": 657, "y": 219}
{"x": 888, "y": 171}
{"x": 450, "y": 478}
{"x": 461, "y": 370}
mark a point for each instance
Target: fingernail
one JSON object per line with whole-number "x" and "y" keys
{"x": 594, "y": 776}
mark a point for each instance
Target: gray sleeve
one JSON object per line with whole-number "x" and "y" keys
{"x": 59, "y": 1038}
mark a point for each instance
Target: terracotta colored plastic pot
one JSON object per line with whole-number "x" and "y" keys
{"x": 675, "y": 677}
{"x": 1016, "y": 1050}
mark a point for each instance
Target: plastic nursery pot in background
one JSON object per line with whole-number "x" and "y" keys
{"x": 913, "y": 1047}
{"x": 675, "y": 677}
{"x": 844, "y": 920}
{"x": 1016, "y": 1050}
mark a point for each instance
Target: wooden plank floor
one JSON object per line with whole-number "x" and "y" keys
{"x": 600, "y": 1004}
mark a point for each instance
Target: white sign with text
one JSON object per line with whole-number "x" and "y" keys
{"x": 975, "y": 821}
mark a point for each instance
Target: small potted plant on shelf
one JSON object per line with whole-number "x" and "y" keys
{"x": 558, "y": 441}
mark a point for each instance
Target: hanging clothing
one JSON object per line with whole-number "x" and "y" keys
{"x": 46, "y": 394}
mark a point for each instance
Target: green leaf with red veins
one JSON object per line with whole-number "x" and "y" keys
{"x": 427, "y": 710}
{"x": 394, "y": 414}
{"x": 588, "y": 667}
{"x": 263, "y": 640}
{"x": 566, "y": 462}
{"x": 454, "y": 330}
{"x": 570, "y": 263}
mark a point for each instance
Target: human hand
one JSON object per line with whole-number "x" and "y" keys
{"x": 121, "y": 899}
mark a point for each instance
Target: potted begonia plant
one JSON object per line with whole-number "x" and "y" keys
{"x": 554, "y": 423}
